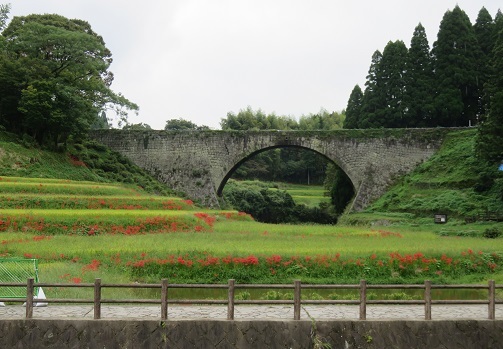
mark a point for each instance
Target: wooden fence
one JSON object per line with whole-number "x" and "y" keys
{"x": 231, "y": 302}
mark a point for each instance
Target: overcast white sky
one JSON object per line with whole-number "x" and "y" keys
{"x": 199, "y": 59}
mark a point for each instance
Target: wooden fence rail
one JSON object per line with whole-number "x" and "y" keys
{"x": 231, "y": 302}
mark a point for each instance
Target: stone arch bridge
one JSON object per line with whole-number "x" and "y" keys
{"x": 199, "y": 163}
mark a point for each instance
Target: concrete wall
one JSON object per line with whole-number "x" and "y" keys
{"x": 131, "y": 334}
{"x": 199, "y": 163}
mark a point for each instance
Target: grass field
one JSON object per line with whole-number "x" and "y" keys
{"x": 83, "y": 230}
{"x": 309, "y": 195}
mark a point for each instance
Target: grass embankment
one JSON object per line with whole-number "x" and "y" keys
{"x": 89, "y": 161}
{"x": 445, "y": 184}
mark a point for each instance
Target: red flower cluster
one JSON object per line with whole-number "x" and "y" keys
{"x": 93, "y": 266}
{"x": 394, "y": 265}
{"x": 208, "y": 219}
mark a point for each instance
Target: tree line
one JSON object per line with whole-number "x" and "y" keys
{"x": 458, "y": 82}
{"x": 447, "y": 85}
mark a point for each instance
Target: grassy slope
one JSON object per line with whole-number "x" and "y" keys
{"x": 87, "y": 162}
{"x": 444, "y": 184}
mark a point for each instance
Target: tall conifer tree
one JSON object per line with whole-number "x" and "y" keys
{"x": 392, "y": 70}
{"x": 354, "y": 108}
{"x": 455, "y": 56}
{"x": 374, "y": 101}
{"x": 490, "y": 137}
{"x": 418, "y": 99}
{"x": 484, "y": 31}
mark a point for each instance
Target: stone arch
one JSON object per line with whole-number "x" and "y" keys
{"x": 247, "y": 157}
{"x": 196, "y": 162}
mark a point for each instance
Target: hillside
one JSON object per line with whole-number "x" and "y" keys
{"x": 81, "y": 162}
{"x": 448, "y": 183}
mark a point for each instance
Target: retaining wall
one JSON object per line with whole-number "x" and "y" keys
{"x": 144, "y": 334}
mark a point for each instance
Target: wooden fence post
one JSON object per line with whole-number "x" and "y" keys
{"x": 363, "y": 300}
{"x": 427, "y": 300}
{"x": 164, "y": 299}
{"x": 230, "y": 297}
{"x": 296, "y": 300}
{"x": 492, "y": 300}
{"x": 97, "y": 299}
{"x": 29, "y": 298}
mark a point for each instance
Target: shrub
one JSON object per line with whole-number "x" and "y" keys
{"x": 492, "y": 233}
{"x": 273, "y": 206}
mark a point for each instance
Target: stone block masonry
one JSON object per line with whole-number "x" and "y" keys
{"x": 199, "y": 163}
{"x": 222, "y": 334}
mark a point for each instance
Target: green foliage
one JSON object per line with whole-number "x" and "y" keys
{"x": 272, "y": 205}
{"x": 263, "y": 204}
{"x": 490, "y": 135}
{"x": 447, "y": 183}
{"x": 373, "y": 101}
{"x": 354, "y": 108}
{"x": 115, "y": 167}
{"x": 418, "y": 78}
{"x": 492, "y": 233}
{"x": 340, "y": 188}
{"x": 323, "y": 120}
{"x": 101, "y": 122}
{"x": 89, "y": 161}
{"x": 460, "y": 233}
{"x": 277, "y": 295}
{"x": 248, "y": 119}
{"x": 182, "y": 124}
{"x": 4, "y": 15}
{"x": 446, "y": 86}
{"x": 139, "y": 126}
{"x": 242, "y": 296}
{"x": 484, "y": 29}
{"x": 392, "y": 84}
{"x": 456, "y": 52}
{"x": 54, "y": 78}
{"x": 292, "y": 165}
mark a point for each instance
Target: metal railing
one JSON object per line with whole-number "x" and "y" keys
{"x": 231, "y": 300}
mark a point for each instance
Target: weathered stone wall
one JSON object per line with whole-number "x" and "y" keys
{"x": 199, "y": 163}
{"x": 146, "y": 334}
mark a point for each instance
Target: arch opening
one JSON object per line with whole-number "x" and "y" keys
{"x": 300, "y": 167}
